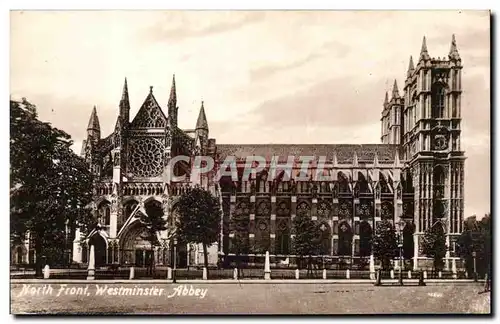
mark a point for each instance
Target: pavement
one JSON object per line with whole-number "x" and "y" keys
{"x": 242, "y": 297}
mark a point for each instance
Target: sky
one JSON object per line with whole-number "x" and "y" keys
{"x": 264, "y": 76}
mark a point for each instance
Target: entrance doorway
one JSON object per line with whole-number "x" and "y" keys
{"x": 99, "y": 249}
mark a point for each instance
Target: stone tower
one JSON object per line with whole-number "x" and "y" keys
{"x": 431, "y": 129}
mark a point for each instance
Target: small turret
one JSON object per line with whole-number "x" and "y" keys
{"x": 395, "y": 92}
{"x": 454, "y": 55}
{"x": 424, "y": 55}
{"x": 125, "y": 104}
{"x": 411, "y": 67}
{"x": 172, "y": 105}
{"x": 94, "y": 128}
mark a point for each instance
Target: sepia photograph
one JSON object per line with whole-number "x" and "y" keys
{"x": 284, "y": 162}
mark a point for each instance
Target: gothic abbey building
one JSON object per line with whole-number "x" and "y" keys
{"x": 415, "y": 176}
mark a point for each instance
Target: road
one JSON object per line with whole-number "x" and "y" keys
{"x": 246, "y": 299}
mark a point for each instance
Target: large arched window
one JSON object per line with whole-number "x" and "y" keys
{"x": 345, "y": 239}
{"x": 104, "y": 212}
{"x": 283, "y": 238}
{"x": 325, "y": 239}
{"x": 365, "y": 239}
{"x": 438, "y": 99}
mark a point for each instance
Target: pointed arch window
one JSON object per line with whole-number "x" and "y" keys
{"x": 438, "y": 99}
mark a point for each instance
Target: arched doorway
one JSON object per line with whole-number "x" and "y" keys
{"x": 99, "y": 249}
{"x": 135, "y": 249}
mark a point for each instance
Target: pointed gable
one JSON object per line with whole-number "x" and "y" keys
{"x": 150, "y": 114}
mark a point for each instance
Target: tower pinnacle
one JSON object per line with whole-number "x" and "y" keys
{"x": 453, "y": 49}
{"x": 202, "y": 123}
{"x": 424, "y": 55}
{"x": 395, "y": 92}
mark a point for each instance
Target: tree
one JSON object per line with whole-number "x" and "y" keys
{"x": 50, "y": 186}
{"x": 476, "y": 238}
{"x": 434, "y": 245}
{"x": 199, "y": 219}
{"x": 153, "y": 221}
{"x": 307, "y": 238}
{"x": 385, "y": 243}
{"x": 240, "y": 242}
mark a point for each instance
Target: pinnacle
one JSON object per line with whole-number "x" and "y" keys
{"x": 453, "y": 49}
{"x": 423, "y": 51}
{"x": 94, "y": 120}
{"x": 202, "y": 123}
{"x": 395, "y": 92}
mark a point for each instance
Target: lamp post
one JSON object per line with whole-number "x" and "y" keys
{"x": 474, "y": 260}
{"x": 175, "y": 261}
{"x": 401, "y": 225}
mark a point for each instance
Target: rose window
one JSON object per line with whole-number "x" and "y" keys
{"x": 145, "y": 159}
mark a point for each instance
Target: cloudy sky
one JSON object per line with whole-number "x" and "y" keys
{"x": 265, "y": 77}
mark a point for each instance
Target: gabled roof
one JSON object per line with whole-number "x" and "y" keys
{"x": 150, "y": 115}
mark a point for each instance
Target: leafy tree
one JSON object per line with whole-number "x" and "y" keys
{"x": 307, "y": 238}
{"x": 240, "y": 242}
{"x": 434, "y": 245}
{"x": 199, "y": 219}
{"x": 153, "y": 221}
{"x": 476, "y": 237}
{"x": 385, "y": 247}
{"x": 50, "y": 186}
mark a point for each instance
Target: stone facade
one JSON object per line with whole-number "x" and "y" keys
{"x": 415, "y": 176}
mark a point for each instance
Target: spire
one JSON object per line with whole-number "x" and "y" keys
{"x": 424, "y": 55}
{"x": 125, "y": 92}
{"x": 125, "y": 103}
{"x": 172, "y": 105}
{"x": 94, "y": 121}
{"x": 202, "y": 119}
{"x": 395, "y": 91}
{"x": 93, "y": 128}
{"x": 411, "y": 67}
{"x": 386, "y": 100}
{"x": 453, "y": 49}
{"x": 172, "y": 100}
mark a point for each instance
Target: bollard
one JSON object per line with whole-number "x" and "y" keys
{"x": 169, "y": 273}
{"x": 267, "y": 267}
{"x": 348, "y": 274}
{"x": 297, "y": 274}
{"x": 421, "y": 279}
{"x": 324, "y": 273}
{"x": 440, "y": 274}
{"x": 235, "y": 273}
{"x": 392, "y": 274}
{"x": 425, "y": 274}
{"x": 409, "y": 274}
{"x": 378, "y": 276}
{"x": 46, "y": 272}
{"x": 466, "y": 275}
{"x": 132, "y": 273}
{"x": 205, "y": 273}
